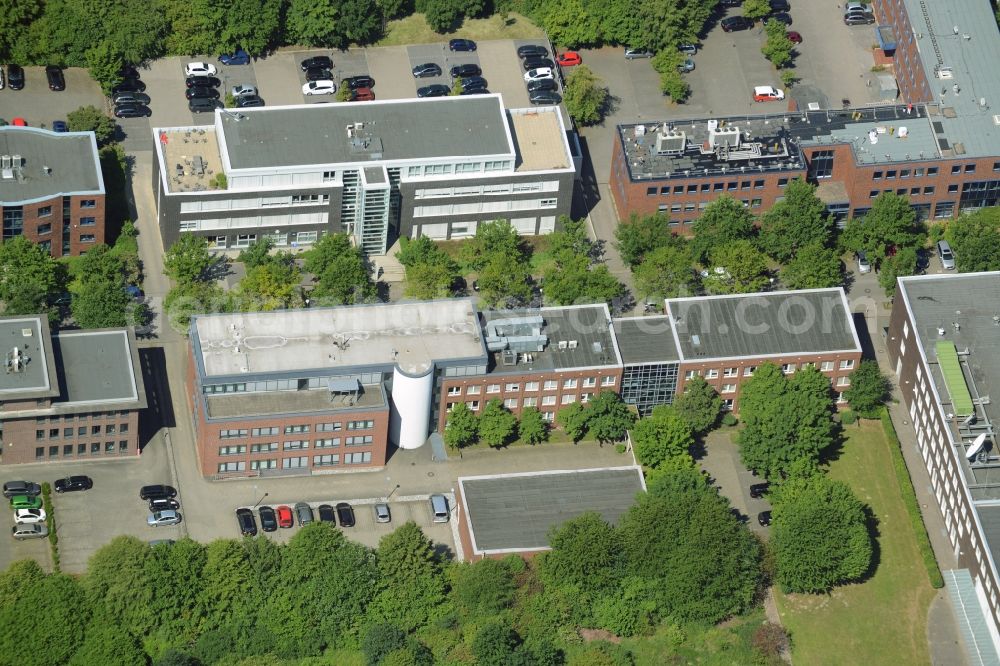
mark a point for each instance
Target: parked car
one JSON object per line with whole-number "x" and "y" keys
{"x": 735, "y": 23}
{"x": 568, "y": 59}
{"x": 633, "y": 54}
{"x": 465, "y": 70}
{"x": 130, "y": 98}
{"x": 426, "y": 70}
{"x": 327, "y": 514}
{"x": 545, "y": 97}
{"x": 461, "y": 45}
{"x": 537, "y": 63}
{"x": 73, "y": 483}
{"x": 324, "y": 87}
{"x": 362, "y": 95}
{"x": 19, "y": 122}
{"x": 730, "y": 3}
{"x": 246, "y": 521}
{"x": 687, "y": 49}
{"x": 767, "y": 94}
{"x": 199, "y": 68}
{"x": 60, "y": 126}
{"x": 244, "y": 90}
{"x": 757, "y": 490}
{"x": 536, "y": 74}
{"x": 474, "y": 83}
{"x": 858, "y": 19}
{"x": 856, "y": 7}
{"x": 240, "y": 57}
{"x": 163, "y": 504}
{"x": 541, "y": 84}
{"x": 25, "y": 516}
{"x": 29, "y": 531}
{"x": 15, "y": 77}
{"x": 168, "y": 517}
{"x": 794, "y": 37}
{"x": 356, "y": 82}
{"x": 153, "y": 543}
{"x": 864, "y": 266}
{"x": 248, "y": 101}
{"x": 686, "y": 66}
{"x": 319, "y": 74}
{"x": 781, "y": 17}
{"x": 317, "y": 61}
{"x": 128, "y": 85}
{"x": 532, "y": 51}
{"x": 779, "y": 5}
{"x": 12, "y": 488}
{"x": 345, "y": 514}
{"x": 155, "y": 491}
{"x": 946, "y": 255}
{"x": 475, "y": 91}
{"x": 132, "y": 111}
{"x": 435, "y": 90}
{"x": 285, "y": 516}
{"x": 764, "y": 518}
{"x": 382, "y": 514}
{"x": 304, "y": 513}
{"x": 54, "y": 75}
{"x": 128, "y": 71}
{"x": 268, "y": 520}
{"x": 201, "y": 92}
{"x": 208, "y": 81}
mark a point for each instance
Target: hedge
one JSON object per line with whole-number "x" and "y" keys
{"x": 910, "y": 501}
{"x": 50, "y": 522}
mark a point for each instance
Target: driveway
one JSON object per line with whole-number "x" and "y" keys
{"x": 722, "y": 462}
{"x": 39, "y": 106}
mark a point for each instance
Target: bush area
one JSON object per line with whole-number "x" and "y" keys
{"x": 50, "y": 522}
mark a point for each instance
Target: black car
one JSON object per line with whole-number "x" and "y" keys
{"x": 532, "y": 51}
{"x": 248, "y": 525}
{"x": 475, "y": 91}
{"x": 764, "y": 518}
{"x": 474, "y": 83}
{"x": 541, "y": 84}
{"x": 781, "y": 17}
{"x": 248, "y": 101}
{"x": 268, "y": 521}
{"x": 163, "y": 504}
{"x": 734, "y": 23}
{"x": 355, "y": 82}
{"x": 202, "y": 104}
{"x": 545, "y": 97}
{"x": 465, "y": 70}
{"x": 327, "y": 514}
{"x": 319, "y": 74}
{"x": 757, "y": 490}
{"x": 15, "y": 77}
{"x": 427, "y": 70}
{"x": 128, "y": 72}
{"x": 208, "y": 81}
{"x": 317, "y": 61}
{"x": 730, "y": 3}
{"x": 73, "y": 483}
{"x": 779, "y": 5}
{"x": 131, "y": 110}
{"x": 436, "y": 90}
{"x": 537, "y": 63}
{"x": 14, "y": 488}
{"x": 462, "y": 45}
{"x": 201, "y": 92}
{"x": 129, "y": 85}
{"x": 345, "y": 514}
{"x": 55, "y": 77}
{"x": 153, "y": 492}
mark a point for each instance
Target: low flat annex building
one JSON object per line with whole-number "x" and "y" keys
{"x": 51, "y": 189}
{"x": 943, "y": 342}
{"x": 376, "y": 170}
{"x": 74, "y": 395}
{"x": 327, "y": 389}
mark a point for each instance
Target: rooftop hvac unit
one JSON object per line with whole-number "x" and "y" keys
{"x": 670, "y": 143}
{"x": 16, "y": 159}
{"x": 724, "y": 136}
{"x": 5, "y": 162}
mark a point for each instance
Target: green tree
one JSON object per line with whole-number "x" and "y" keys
{"x": 505, "y": 281}
{"x": 15, "y": 17}
{"x": 889, "y": 223}
{"x": 104, "y": 63}
{"x": 269, "y": 286}
{"x": 91, "y": 119}
{"x": 608, "y": 417}
{"x": 819, "y": 534}
{"x": 188, "y": 259}
{"x": 569, "y": 23}
{"x": 330, "y": 23}
{"x": 585, "y": 97}
{"x": 108, "y": 642}
{"x": 641, "y": 235}
{"x": 574, "y": 278}
{"x": 869, "y": 388}
{"x": 494, "y": 643}
{"x": 531, "y": 427}
{"x": 462, "y": 428}
{"x": 342, "y": 273}
{"x": 797, "y": 221}
{"x": 493, "y": 239}
{"x": 57, "y": 630}
{"x": 742, "y": 268}
{"x": 666, "y": 272}
{"x": 672, "y": 81}
{"x": 975, "y": 240}
{"x": 756, "y": 9}
{"x": 443, "y": 15}
{"x": 699, "y": 405}
{"x": 117, "y": 585}
{"x": 186, "y": 300}
{"x": 258, "y": 254}
{"x": 394, "y": 9}
{"x": 900, "y": 264}
{"x": 411, "y": 584}
{"x": 585, "y": 554}
{"x": 27, "y": 276}
{"x": 481, "y": 589}
{"x": 380, "y": 640}
{"x": 573, "y": 419}
{"x": 252, "y": 24}
{"x": 497, "y": 426}
{"x": 813, "y": 267}
{"x": 723, "y": 221}
{"x": 102, "y": 304}
{"x": 430, "y": 272}
{"x": 661, "y": 435}
{"x": 778, "y": 47}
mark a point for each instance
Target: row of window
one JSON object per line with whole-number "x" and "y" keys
{"x": 70, "y": 450}
{"x": 237, "y": 433}
{"x": 46, "y": 211}
{"x": 297, "y": 445}
{"x": 547, "y": 401}
{"x": 902, "y": 191}
{"x": 691, "y": 206}
{"x": 280, "y": 239}
{"x": 549, "y": 385}
{"x": 252, "y": 202}
{"x": 787, "y": 368}
{"x": 479, "y": 207}
{"x": 692, "y": 188}
{"x": 462, "y": 167}
{"x": 478, "y": 190}
{"x": 298, "y": 462}
{"x": 917, "y": 173}
{"x": 82, "y": 431}
{"x": 70, "y": 418}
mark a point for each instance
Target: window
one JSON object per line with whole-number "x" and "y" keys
{"x": 473, "y": 405}
{"x": 95, "y": 448}
{"x": 327, "y": 443}
{"x": 821, "y": 165}
{"x": 929, "y": 189}
{"x": 826, "y": 366}
{"x": 264, "y": 448}
{"x": 295, "y": 463}
{"x": 530, "y": 386}
{"x": 109, "y": 429}
{"x": 492, "y": 388}
{"x": 956, "y": 168}
{"x": 727, "y": 404}
{"x": 970, "y": 168}
{"x": 96, "y": 430}
{"x": 711, "y": 374}
{"x": 847, "y": 364}
{"x": 360, "y": 425}
{"x": 123, "y": 428}
{"x": 589, "y": 382}
{"x": 568, "y": 399}
{"x": 758, "y": 184}
{"x": 788, "y": 368}
{"x": 67, "y": 432}
{"x": 245, "y": 240}
{"x": 44, "y": 229}
{"x": 296, "y": 429}
{"x": 454, "y": 390}
{"x": 650, "y": 191}
{"x": 718, "y": 187}
{"x": 359, "y": 457}
{"x": 691, "y": 374}
{"x": 87, "y": 238}
{"x": 551, "y": 385}
{"x": 88, "y": 203}
{"x": 358, "y": 440}
{"x": 530, "y": 402}
{"x": 53, "y": 433}
{"x": 232, "y": 467}
{"x": 932, "y": 171}
{"x": 608, "y": 381}
{"x": 749, "y": 370}
{"x": 328, "y": 427}
{"x": 843, "y": 381}
{"x": 904, "y": 173}
{"x": 944, "y": 209}
{"x": 232, "y": 450}
{"x": 295, "y": 444}
{"x": 81, "y": 431}
{"x": 877, "y": 175}
{"x": 44, "y": 211}
{"x": 88, "y": 221}
{"x": 891, "y": 173}
{"x": 264, "y": 432}
{"x": 39, "y": 434}
{"x": 692, "y": 189}
{"x": 731, "y": 372}
{"x": 756, "y": 203}
{"x": 728, "y": 388}
{"x": 223, "y": 434}
{"x": 569, "y": 383}
{"x": 512, "y": 387}
{"x": 548, "y": 400}
{"x": 81, "y": 449}
{"x": 510, "y": 403}
{"x": 326, "y": 460}
{"x": 271, "y": 463}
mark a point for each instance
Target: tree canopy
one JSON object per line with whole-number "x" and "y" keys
{"x": 666, "y": 272}
{"x": 188, "y": 259}
{"x": 738, "y": 267}
{"x": 890, "y": 223}
{"x": 92, "y": 119}
{"x": 975, "y": 240}
{"x": 430, "y": 272}
{"x": 585, "y": 97}
{"x": 869, "y": 388}
{"x": 574, "y": 275}
{"x": 699, "y": 405}
{"x": 723, "y": 221}
{"x": 497, "y": 426}
{"x": 641, "y": 235}
{"x": 660, "y": 436}
{"x": 799, "y": 220}
{"x": 813, "y": 267}
{"x": 28, "y": 275}
{"x": 343, "y": 276}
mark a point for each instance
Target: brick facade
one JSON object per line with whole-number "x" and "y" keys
{"x": 69, "y": 437}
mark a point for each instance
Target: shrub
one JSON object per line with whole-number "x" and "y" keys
{"x": 848, "y": 417}
{"x": 729, "y": 420}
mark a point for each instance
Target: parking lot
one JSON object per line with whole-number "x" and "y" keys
{"x": 39, "y": 106}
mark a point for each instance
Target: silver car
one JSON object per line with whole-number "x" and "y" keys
{"x": 243, "y": 90}
{"x": 29, "y": 531}
{"x": 304, "y": 513}
{"x": 167, "y": 517}
{"x": 382, "y": 514}
{"x": 946, "y": 255}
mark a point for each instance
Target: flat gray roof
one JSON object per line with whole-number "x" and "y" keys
{"x": 237, "y": 405}
{"x": 409, "y": 335}
{"x": 782, "y": 323}
{"x": 98, "y": 367}
{"x": 516, "y": 511}
{"x": 36, "y": 377}
{"x": 646, "y": 340}
{"x": 577, "y": 337}
{"x": 393, "y": 130}
{"x": 71, "y": 158}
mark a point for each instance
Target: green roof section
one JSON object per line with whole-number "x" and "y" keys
{"x": 954, "y": 379}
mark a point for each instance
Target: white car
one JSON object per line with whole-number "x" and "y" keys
{"x": 538, "y": 74}
{"x": 767, "y": 94}
{"x": 24, "y": 516}
{"x": 199, "y": 69}
{"x": 323, "y": 87}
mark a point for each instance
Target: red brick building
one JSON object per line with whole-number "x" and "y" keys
{"x": 75, "y": 395}
{"x": 51, "y": 189}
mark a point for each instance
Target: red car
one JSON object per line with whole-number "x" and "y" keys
{"x": 19, "y": 122}
{"x": 285, "y": 516}
{"x": 569, "y": 59}
{"x": 362, "y": 95}
{"x": 795, "y": 37}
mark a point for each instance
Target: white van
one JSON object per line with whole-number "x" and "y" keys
{"x": 439, "y": 508}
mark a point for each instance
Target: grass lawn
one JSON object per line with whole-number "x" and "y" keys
{"x": 884, "y": 619}
{"x": 414, "y": 30}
